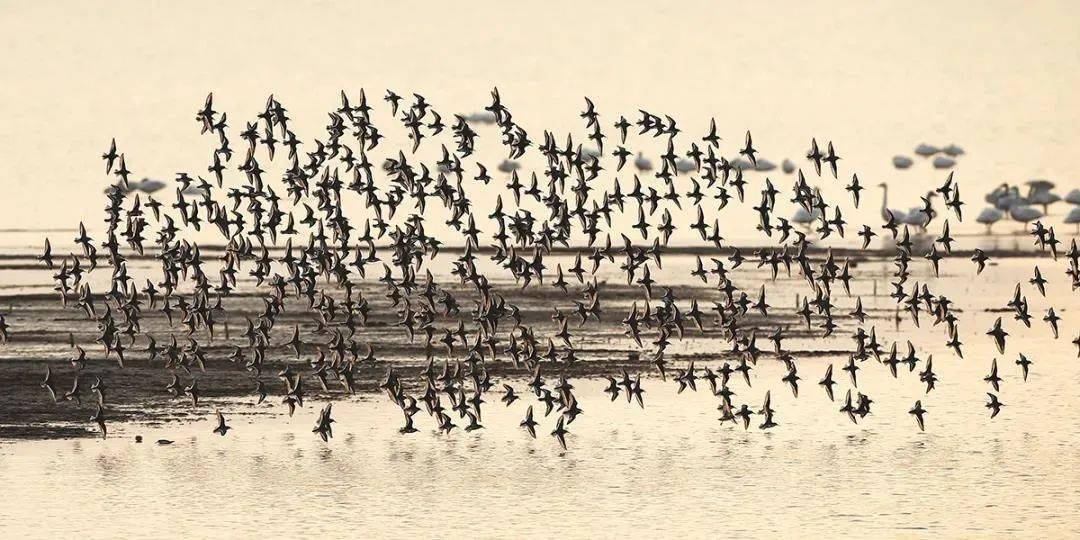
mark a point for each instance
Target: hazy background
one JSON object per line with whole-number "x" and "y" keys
{"x": 1000, "y": 80}
{"x": 877, "y": 78}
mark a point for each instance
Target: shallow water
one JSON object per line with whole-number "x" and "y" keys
{"x": 670, "y": 468}
{"x": 665, "y": 469}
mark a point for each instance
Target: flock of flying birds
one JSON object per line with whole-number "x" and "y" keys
{"x": 324, "y": 256}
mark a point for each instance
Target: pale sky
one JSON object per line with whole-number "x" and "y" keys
{"x": 998, "y": 78}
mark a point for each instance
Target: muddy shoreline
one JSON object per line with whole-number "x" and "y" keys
{"x": 41, "y": 329}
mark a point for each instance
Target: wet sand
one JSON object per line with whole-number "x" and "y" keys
{"x": 41, "y": 329}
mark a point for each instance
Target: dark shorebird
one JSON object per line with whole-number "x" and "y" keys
{"x": 324, "y": 276}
